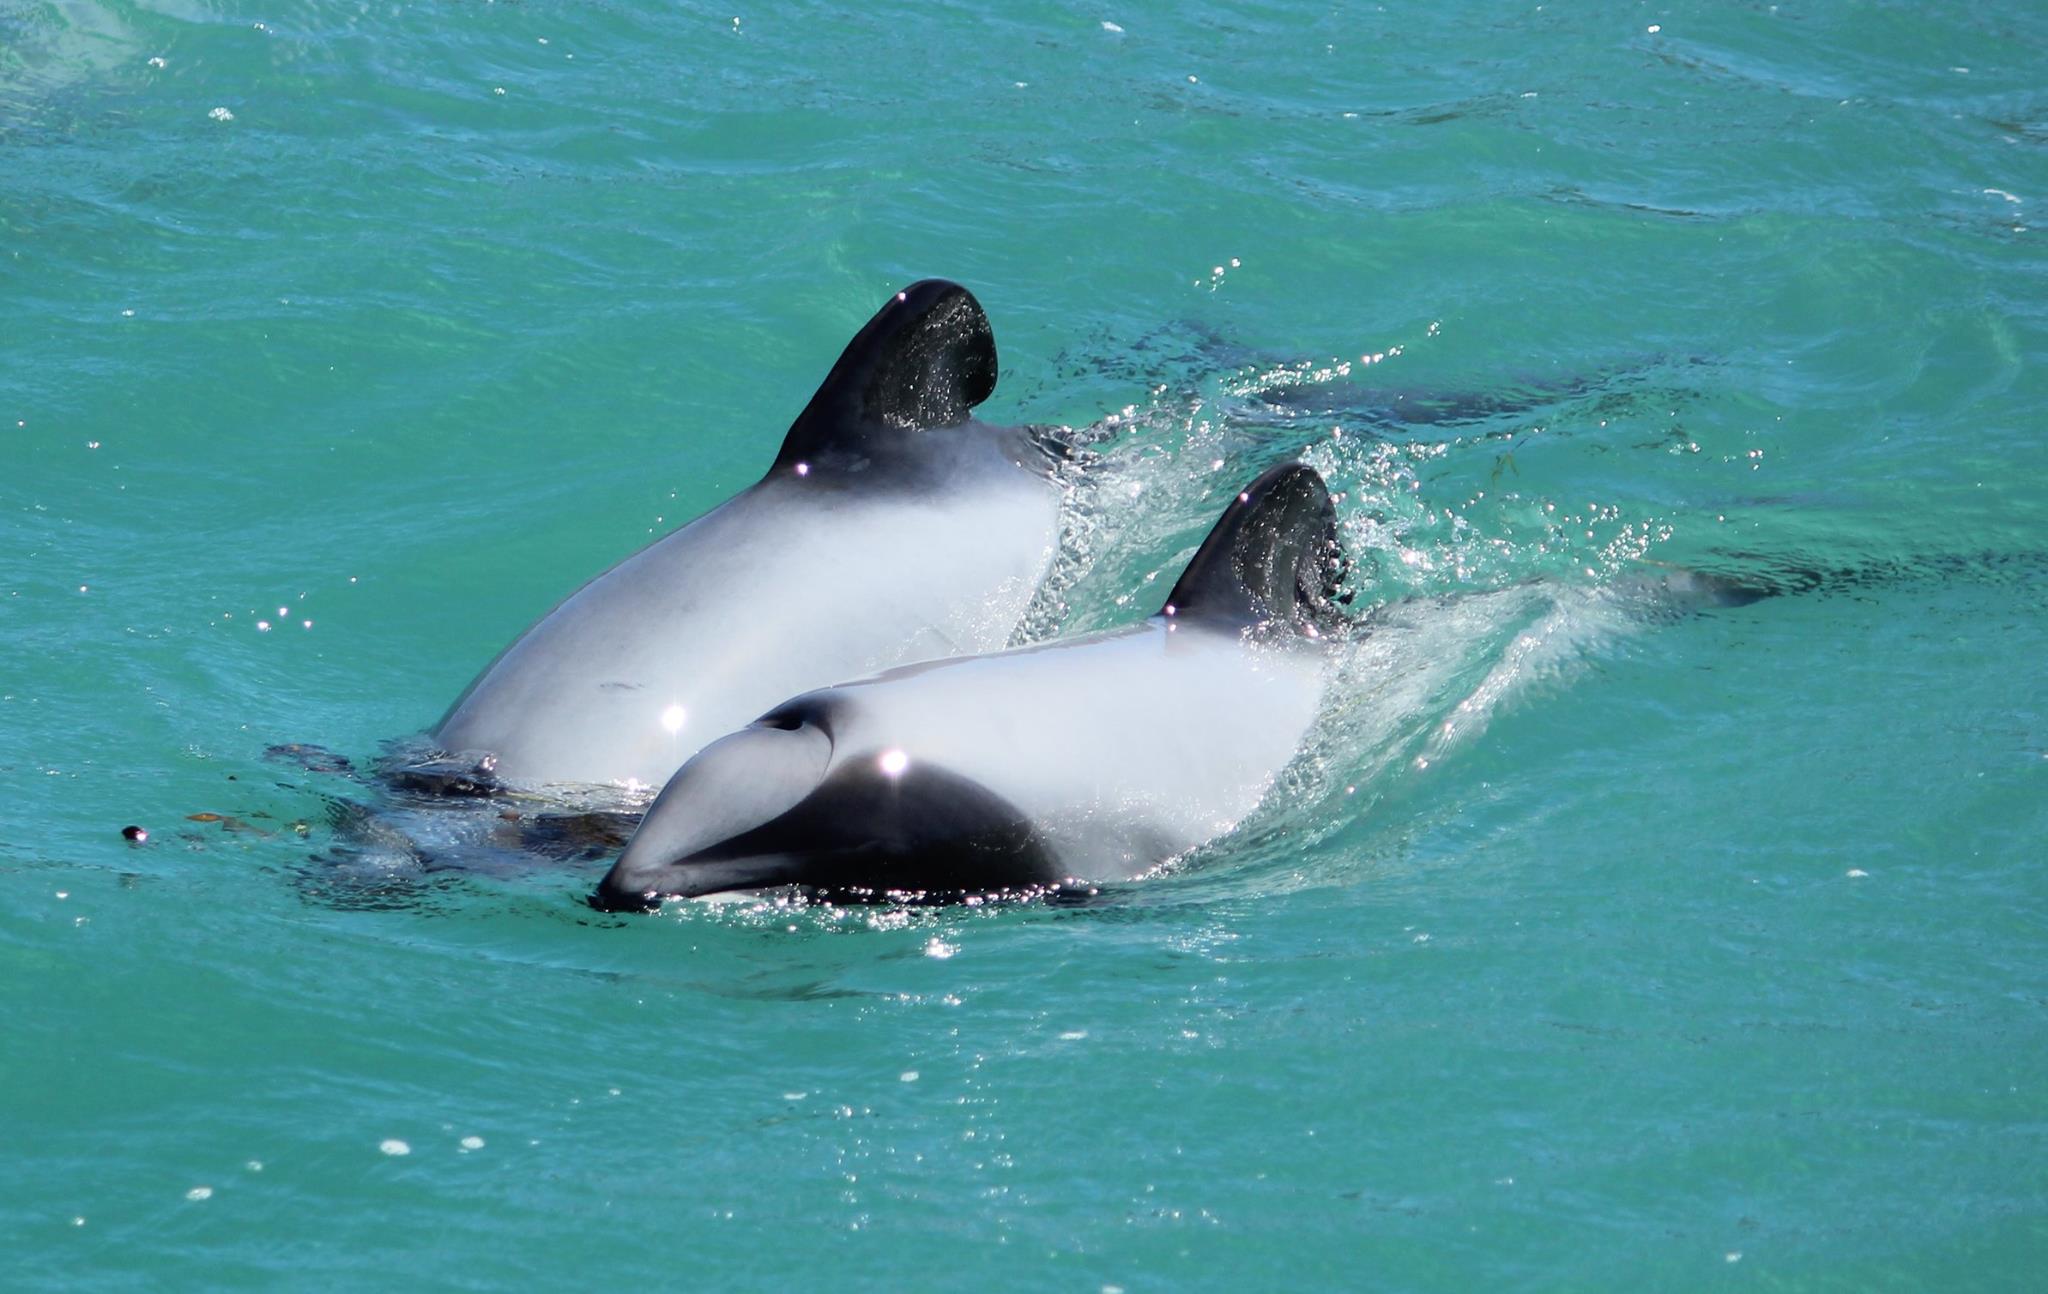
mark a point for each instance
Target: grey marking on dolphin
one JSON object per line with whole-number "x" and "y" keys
{"x": 892, "y": 527}
{"x": 1093, "y": 758}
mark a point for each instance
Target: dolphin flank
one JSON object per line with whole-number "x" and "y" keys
{"x": 892, "y": 527}
{"x": 1093, "y": 758}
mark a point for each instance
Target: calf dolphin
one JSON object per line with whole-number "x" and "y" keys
{"x": 1092, "y": 758}
{"x": 892, "y": 527}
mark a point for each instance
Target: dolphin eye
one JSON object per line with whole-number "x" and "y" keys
{"x": 796, "y": 715}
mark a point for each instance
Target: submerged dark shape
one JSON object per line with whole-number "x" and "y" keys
{"x": 314, "y": 759}
{"x": 1094, "y": 758}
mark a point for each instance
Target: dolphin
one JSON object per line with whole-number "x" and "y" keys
{"x": 892, "y": 527}
{"x": 1092, "y": 758}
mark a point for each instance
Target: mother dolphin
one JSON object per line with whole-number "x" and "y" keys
{"x": 892, "y": 527}
{"x": 1093, "y": 758}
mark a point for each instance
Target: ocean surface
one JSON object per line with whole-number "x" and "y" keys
{"x": 1585, "y": 946}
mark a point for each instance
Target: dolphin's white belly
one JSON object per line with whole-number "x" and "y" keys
{"x": 1122, "y": 750}
{"x": 785, "y": 588}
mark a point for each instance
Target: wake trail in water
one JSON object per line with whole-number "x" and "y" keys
{"x": 1469, "y": 606}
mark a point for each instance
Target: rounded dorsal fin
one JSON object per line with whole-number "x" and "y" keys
{"x": 924, "y": 360}
{"x": 1272, "y": 560}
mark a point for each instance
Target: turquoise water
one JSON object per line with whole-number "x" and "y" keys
{"x": 1581, "y": 949}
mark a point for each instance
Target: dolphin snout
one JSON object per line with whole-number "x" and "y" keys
{"x": 629, "y": 890}
{"x": 731, "y": 787}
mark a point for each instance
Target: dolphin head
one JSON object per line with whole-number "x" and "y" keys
{"x": 776, "y": 805}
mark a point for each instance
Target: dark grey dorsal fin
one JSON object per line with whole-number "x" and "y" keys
{"x": 924, "y": 360}
{"x": 1271, "y": 562}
